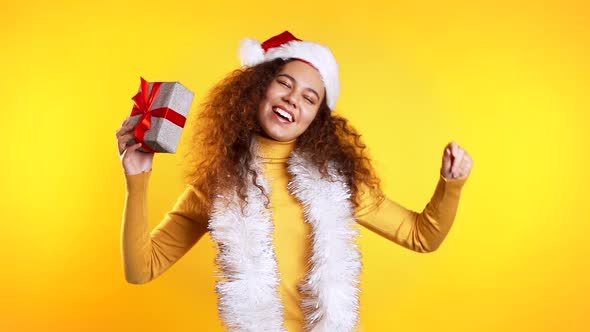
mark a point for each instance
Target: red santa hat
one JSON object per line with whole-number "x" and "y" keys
{"x": 285, "y": 46}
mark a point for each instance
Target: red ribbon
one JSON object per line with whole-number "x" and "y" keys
{"x": 143, "y": 102}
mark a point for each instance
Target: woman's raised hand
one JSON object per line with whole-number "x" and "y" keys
{"x": 134, "y": 161}
{"x": 456, "y": 162}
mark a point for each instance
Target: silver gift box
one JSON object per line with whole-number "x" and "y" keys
{"x": 164, "y": 135}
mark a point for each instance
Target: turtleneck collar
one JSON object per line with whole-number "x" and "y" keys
{"x": 274, "y": 151}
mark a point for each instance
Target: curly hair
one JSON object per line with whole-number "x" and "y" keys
{"x": 221, "y": 153}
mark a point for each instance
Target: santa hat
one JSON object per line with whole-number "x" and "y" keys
{"x": 285, "y": 46}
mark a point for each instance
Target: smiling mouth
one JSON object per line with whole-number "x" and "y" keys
{"x": 283, "y": 114}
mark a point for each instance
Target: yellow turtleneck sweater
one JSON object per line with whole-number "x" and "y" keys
{"x": 147, "y": 254}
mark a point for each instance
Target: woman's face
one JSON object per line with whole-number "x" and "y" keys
{"x": 292, "y": 101}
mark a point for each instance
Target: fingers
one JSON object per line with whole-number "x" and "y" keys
{"x": 466, "y": 165}
{"x": 456, "y": 161}
{"x": 124, "y": 134}
{"x": 446, "y": 164}
{"x": 125, "y": 126}
{"x": 458, "y": 154}
{"x": 122, "y": 141}
{"x": 132, "y": 148}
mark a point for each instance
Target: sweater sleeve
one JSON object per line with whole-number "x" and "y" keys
{"x": 147, "y": 254}
{"x": 420, "y": 232}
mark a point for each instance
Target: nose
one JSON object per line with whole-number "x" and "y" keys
{"x": 290, "y": 98}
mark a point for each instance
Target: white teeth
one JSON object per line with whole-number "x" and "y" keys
{"x": 283, "y": 113}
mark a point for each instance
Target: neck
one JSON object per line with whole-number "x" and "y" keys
{"x": 269, "y": 148}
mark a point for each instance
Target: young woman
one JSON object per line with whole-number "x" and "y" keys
{"x": 281, "y": 183}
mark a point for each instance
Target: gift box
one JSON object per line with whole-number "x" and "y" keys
{"x": 159, "y": 115}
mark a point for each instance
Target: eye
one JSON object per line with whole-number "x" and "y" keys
{"x": 283, "y": 83}
{"x": 309, "y": 100}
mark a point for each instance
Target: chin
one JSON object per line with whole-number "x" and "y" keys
{"x": 277, "y": 132}
{"x": 279, "y": 136}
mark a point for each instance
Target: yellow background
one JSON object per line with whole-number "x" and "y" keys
{"x": 507, "y": 80}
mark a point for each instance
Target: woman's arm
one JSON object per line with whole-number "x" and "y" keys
{"x": 421, "y": 232}
{"x": 145, "y": 254}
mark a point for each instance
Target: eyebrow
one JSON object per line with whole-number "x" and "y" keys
{"x": 294, "y": 80}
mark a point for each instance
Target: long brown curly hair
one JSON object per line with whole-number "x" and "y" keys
{"x": 221, "y": 153}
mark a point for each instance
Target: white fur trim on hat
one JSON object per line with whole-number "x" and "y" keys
{"x": 251, "y": 53}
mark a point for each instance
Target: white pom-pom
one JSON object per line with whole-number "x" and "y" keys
{"x": 251, "y": 52}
